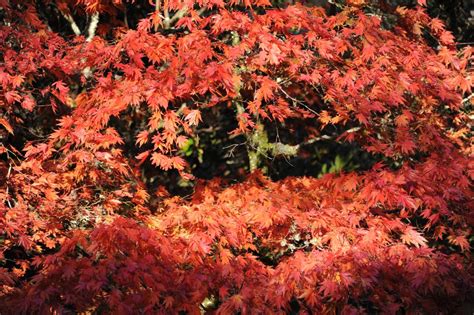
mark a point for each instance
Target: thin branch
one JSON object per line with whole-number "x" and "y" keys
{"x": 298, "y": 101}
{"x": 157, "y": 10}
{"x": 7, "y": 190}
{"x": 168, "y": 22}
{"x": 232, "y": 147}
{"x": 464, "y": 44}
{"x": 182, "y": 12}
{"x": 467, "y": 98}
{"x": 125, "y": 17}
{"x": 9, "y": 170}
{"x": 92, "y": 26}
{"x": 90, "y": 35}
{"x": 70, "y": 19}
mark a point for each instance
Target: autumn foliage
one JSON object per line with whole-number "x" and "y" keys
{"x": 96, "y": 95}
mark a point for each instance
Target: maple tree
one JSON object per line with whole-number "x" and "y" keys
{"x": 98, "y": 96}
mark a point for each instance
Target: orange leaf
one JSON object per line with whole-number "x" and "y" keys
{"x": 6, "y": 124}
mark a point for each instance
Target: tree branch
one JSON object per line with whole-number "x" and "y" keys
{"x": 168, "y": 22}
{"x": 90, "y": 35}
{"x": 157, "y": 11}
{"x": 92, "y": 26}
{"x": 467, "y": 98}
{"x": 70, "y": 19}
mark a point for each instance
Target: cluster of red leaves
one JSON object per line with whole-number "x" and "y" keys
{"x": 77, "y": 229}
{"x": 342, "y": 243}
